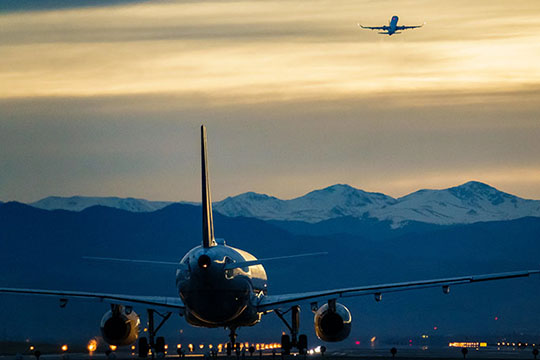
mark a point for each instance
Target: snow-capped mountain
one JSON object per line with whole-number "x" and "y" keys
{"x": 464, "y": 204}
{"x": 318, "y": 205}
{"x": 78, "y": 203}
{"x": 467, "y": 203}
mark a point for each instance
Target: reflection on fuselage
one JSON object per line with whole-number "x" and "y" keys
{"x": 216, "y": 297}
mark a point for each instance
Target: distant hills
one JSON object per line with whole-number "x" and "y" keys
{"x": 468, "y": 203}
{"x": 78, "y": 203}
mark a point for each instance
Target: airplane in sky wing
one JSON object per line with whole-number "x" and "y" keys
{"x": 392, "y": 27}
{"x": 374, "y": 27}
{"x": 221, "y": 286}
{"x": 405, "y": 27}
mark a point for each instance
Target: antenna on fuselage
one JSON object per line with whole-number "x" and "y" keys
{"x": 207, "y": 218}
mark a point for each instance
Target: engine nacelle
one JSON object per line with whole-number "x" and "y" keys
{"x": 331, "y": 325}
{"x": 120, "y": 326}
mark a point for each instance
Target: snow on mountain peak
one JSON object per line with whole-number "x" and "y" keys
{"x": 470, "y": 202}
{"x": 467, "y": 203}
{"x": 475, "y": 191}
{"x": 330, "y": 202}
{"x": 79, "y": 203}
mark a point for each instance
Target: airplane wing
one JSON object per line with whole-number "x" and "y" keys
{"x": 269, "y": 303}
{"x": 150, "y": 302}
{"x": 374, "y": 27}
{"x": 405, "y": 27}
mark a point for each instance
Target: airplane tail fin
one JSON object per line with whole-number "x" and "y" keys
{"x": 207, "y": 218}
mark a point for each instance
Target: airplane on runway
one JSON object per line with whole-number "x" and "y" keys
{"x": 221, "y": 286}
{"x": 392, "y": 27}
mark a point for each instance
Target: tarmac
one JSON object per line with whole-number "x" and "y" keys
{"x": 353, "y": 354}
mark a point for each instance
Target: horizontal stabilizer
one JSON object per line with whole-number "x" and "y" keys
{"x": 131, "y": 261}
{"x": 242, "y": 264}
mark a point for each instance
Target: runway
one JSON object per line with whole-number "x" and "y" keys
{"x": 354, "y": 354}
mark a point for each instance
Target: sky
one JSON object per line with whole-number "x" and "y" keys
{"x": 107, "y": 100}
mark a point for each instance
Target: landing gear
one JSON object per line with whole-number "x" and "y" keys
{"x": 286, "y": 344}
{"x": 302, "y": 344}
{"x": 232, "y": 336}
{"x": 157, "y": 346}
{"x": 231, "y": 345}
{"x": 294, "y": 341}
{"x": 160, "y": 345}
{"x": 143, "y": 347}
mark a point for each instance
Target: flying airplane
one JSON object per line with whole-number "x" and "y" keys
{"x": 392, "y": 27}
{"x": 221, "y": 286}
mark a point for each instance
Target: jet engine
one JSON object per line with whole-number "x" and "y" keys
{"x": 120, "y": 326}
{"x": 333, "y": 322}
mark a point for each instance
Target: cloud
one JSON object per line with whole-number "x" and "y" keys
{"x": 147, "y": 146}
{"x": 253, "y": 49}
{"x": 40, "y": 5}
{"x": 107, "y": 100}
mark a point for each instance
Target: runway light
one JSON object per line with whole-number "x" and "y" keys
{"x": 201, "y": 346}
{"x": 373, "y": 339}
{"x": 92, "y": 345}
{"x": 468, "y": 344}
{"x": 190, "y": 346}
{"x": 435, "y": 328}
{"x": 113, "y": 347}
{"x": 178, "y": 346}
{"x": 32, "y": 348}
{"x": 145, "y": 329}
{"x": 166, "y": 346}
{"x": 64, "y": 347}
{"x": 496, "y": 318}
{"x": 210, "y": 346}
{"x": 357, "y": 342}
{"x": 317, "y": 349}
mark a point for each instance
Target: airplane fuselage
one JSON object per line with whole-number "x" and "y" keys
{"x": 392, "y": 26}
{"x": 216, "y": 297}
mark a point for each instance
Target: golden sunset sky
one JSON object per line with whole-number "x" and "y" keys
{"x": 107, "y": 100}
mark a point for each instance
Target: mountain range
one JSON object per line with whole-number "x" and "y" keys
{"x": 79, "y": 203}
{"x": 464, "y": 204}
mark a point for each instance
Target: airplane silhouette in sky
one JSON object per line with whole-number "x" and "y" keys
{"x": 392, "y": 27}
